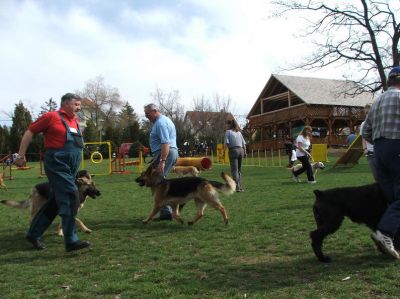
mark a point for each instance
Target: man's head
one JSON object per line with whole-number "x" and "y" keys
{"x": 71, "y": 103}
{"x": 151, "y": 111}
{"x": 394, "y": 76}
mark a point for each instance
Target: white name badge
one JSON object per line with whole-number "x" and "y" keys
{"x": 73, "y": 130}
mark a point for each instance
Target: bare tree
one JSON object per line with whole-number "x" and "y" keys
{"x": 210, "y": 122}
{"x": 170, "y": 106}
{"x": 362, "y": 34}
{"x": 105, "y": 99}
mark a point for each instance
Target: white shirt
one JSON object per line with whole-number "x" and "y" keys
{"x": 305, "y": 143}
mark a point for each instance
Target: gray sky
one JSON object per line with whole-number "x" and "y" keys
{"x": 199, "y": 47}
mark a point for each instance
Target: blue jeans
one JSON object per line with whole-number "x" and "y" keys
{"x": 387, "y": 162}
{"x": 166, "y": 211}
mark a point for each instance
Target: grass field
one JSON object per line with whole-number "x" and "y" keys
{"x": 264, "y": 252}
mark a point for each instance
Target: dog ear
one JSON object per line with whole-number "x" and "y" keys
{"x": 318, "y": 193}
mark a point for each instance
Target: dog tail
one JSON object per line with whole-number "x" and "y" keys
{"x": 229, "y": 187}
{"x": 17, "y": 204}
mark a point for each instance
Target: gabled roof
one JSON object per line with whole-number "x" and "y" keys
{"x": 315, "y": 91}
{"x": 88, "y": 103}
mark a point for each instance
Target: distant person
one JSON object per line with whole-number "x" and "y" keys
{"x": 382, "y": 128}
{"x": 351, "y": 138}
{"x": 303, "y": 144}
{"x": 234, "y": 141}
{"x": 64, "y": 143}
{"x": 290, "y": 150}
{"x": 369, "y": 147}
{"x": 163, "y": 146}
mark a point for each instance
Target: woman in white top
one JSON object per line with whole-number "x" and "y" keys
{"x": 303, "y": 142}
{"x": 368, "y": 147}
{"x": 237, "y": 150}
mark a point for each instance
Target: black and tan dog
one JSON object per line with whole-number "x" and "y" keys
{"x": 40, "y": 193}
{"x": 362, "y": 204}
{"x": 178, "y": 191}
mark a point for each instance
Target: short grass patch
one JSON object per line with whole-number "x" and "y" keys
{"x": 264, "y": 252}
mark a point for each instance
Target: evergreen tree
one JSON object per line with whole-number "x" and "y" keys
{"x": 128, "y": 121}
{"x": 21, "y": 120}
{"x": 48, "y": 106}
{"x": 90, "y": 134}
{"x": 4, "y": 140}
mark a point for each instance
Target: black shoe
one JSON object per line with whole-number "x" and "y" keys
{"x": 36, "y": 242}
{"x": 80, "y": 244}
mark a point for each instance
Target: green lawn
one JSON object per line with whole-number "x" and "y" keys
{"x": 264, "y": 252}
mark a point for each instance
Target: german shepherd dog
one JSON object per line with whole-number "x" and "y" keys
{"x": 363, "y": 204}
{"x": 40, "y": 193}
{"x": 178, "y": 191}
{"x": 2, "y": 185}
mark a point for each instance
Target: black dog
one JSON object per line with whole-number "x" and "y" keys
{"x": 363, "y": 204}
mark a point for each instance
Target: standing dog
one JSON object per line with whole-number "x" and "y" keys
{"x": 315, "y": 166}
{"x": 183, "y": 170}
{"x": 363, "y": 204}
{"x": 2, "y": 185}
{"x": 175, "y": 192}
{"x": 40, "y": 193}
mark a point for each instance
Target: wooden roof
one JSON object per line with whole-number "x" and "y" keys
{"x": 312, "y": 91}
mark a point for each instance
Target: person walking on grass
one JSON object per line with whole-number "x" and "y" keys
{"x": 163, "y": 146}
{"x": 234, "y": 141}
{"x": 63, "y": 142}
{"x": 382, "y": 129}
{"x": 303, "y": 143}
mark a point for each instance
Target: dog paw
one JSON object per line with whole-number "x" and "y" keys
{"x": 88, "y": 231}
{"x": 145, "y": 221}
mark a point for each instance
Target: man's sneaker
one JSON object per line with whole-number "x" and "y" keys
{"x": 312, "y": 182}
{"x": 386, "y": 243}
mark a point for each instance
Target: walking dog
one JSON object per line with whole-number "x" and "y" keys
{"x": 315, "y": 166}
{"x": 2, "y": 185}
{"x": 40, "y": 193}
{"x": 178, "y": 191}
{"x": 363, "y": 204}
{"x": 183, "y": 170}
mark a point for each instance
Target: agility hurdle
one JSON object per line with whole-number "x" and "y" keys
{"x": 96, "y": 158}
{"x": 265, "y": 158}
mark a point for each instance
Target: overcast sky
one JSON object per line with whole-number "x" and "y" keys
{"x": 199, "y": 47}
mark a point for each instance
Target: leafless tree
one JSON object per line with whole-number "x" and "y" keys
{"x": 362, "y": 34}
{"x": 170, "y": 105}
{"x": 210, "y": 122}
{"x": 105, "y": 99}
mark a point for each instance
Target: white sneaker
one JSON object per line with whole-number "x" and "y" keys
{"x": 312, "y": 182}
{"x": 386, "y": 242}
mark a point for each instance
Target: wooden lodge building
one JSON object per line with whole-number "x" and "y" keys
{"x": 287, "y": 103}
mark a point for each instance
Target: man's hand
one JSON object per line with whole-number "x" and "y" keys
{"x": 19, "y": 160}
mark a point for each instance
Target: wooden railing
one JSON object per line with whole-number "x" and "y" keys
{"x": 275, "y": 144}
{"x": 300, "y": 112}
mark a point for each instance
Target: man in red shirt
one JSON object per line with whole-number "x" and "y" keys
{"x": 63, "y": 142}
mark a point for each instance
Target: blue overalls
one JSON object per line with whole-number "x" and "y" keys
{"x": 61, "y": 167}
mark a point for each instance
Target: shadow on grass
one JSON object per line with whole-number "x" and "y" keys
{"x": 259, "y": 277}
